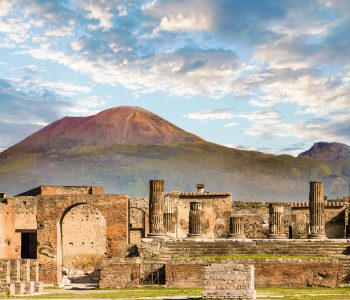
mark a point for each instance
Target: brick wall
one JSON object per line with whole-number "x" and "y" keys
{"x": 51, "y": 209}
{"x": 297, "y": 273}
{"x": 184, "y": 275}
{"x": 119, "y": 274}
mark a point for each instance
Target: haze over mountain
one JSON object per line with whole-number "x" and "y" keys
{"x": 123, "y": 148}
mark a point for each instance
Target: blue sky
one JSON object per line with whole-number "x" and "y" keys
{"x": 272, "y": 76}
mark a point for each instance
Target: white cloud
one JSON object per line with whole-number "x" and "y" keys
{"x": 58, "y": 32}
{"x": 98, "y": 10}
{"x": 59, "y": 87}
{"x": 210, "y": 114}
{"x": 184, "y": 23}
{"x": 182, "y": 73}
{"x": 84, "y": 106}
{"x": 29, "y": 69}
{"x": 5, "y": 7}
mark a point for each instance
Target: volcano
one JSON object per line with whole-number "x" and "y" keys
{"x": 124, "y": 125}
{"x": 123, "y": 148}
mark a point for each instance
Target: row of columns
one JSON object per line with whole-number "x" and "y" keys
{"x": 158, "y": 225}
{"x": 161, "y": 216}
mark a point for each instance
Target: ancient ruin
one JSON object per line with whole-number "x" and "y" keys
{"x": 81, "y": 234}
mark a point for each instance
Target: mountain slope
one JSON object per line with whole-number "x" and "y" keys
{"x": 120, "y": 125}
{"x": 123, "y": 148}
{"x": 327, "y": 151}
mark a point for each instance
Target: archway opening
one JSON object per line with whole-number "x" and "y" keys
{"x": 83, "y": 230}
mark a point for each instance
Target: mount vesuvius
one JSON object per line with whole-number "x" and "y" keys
{"x": 124, "y": 147}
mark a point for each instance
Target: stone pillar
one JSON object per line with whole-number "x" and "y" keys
{"x": 156, "y": 208}
{"x": 195, "y": 220}
{"x": 169, "y": 216}
{"x": 317, "y": 211}
{"x": 348, "y": 226}
{"x": 276, "y": 221}
{"x": 236, "y": 228}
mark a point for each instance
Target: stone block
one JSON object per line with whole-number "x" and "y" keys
{"x": 229, "y": 281}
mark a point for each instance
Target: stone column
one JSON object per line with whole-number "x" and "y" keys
{"x": 156, "y": 208}
{"x": 195, "y": 220}
{"x": 169, "y": 215}
{"x": 276, "y": 221}
{"x": 348, "y": 227}
{"x": 236, "y": 228}
{"x": 317, "y": 211}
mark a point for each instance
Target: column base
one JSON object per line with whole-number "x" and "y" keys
{"x": 317, "y": 236}
{"x": 277, "y": 236}
{"x": 236, "y": 236}
{"x": 157, "y": 235}
{"x": 194, "y": 235}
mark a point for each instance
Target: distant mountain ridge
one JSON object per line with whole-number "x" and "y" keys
{"x": 328, "y": 151}
{"x": 124, "y": 147}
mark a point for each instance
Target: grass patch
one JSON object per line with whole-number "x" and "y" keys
{"x": 303, "y": 293}
{"x": 149, "y": 292}
{"x": 121, "y": 293}
{"x": 251, "y": 256}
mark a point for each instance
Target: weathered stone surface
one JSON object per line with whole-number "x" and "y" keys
{"x": 83, "y": 238}
{"x": 51, "y": 210}
{"x": 229, "y": 281}
{"x": 236, "y": 227}
{"x": 276, "y": 221}
{"x": 156, "y": 208}
{"x": 317, "y": 211}
{"x": 184, "y": 275}
{"x": 283, "y": 272}
{"x": 19, "y": 277}
{"x": 116, "y": 273}
{"x": 196, "y": 217}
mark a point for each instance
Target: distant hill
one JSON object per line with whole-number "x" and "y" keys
{"x": 123, "y": 148}
{"x": 328, "y": 151}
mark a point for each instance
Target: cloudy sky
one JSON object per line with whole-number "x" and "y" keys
{"x": 268, "y": 75}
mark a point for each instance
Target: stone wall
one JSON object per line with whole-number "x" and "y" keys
{"x": 17, "y": 215}
{"x": 216, "y": 213}
{"x": 139, "y": 219}
{"x": 51, "y": 190}
{"x": 20, "y": 276}
{"x": 116, "y": 273}
{"x": 184, "y": 275}
{"x": 296, "y": 216}
{"x": 229, "y": 281}
{"x": 282, "y": 272}
{"x": 335, "y": 218}
{"x": 114, "y": 209}
{"x": 9, "y": 239}
{"x": 256, "y": 217}
{"x": 83, "y": 238}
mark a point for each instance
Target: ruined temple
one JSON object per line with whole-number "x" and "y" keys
{"x": 79, "y": 233}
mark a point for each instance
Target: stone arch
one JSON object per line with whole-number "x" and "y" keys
{"x": 83, "y": 239}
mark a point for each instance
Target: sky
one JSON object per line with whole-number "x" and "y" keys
{"x": 272, "y": 76}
